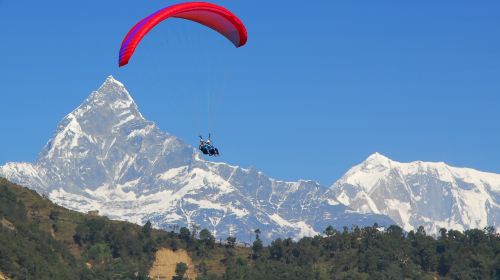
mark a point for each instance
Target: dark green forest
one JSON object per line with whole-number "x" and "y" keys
{"x": 40, "y": 240}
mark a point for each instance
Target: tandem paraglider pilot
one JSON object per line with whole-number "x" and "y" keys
{"x": 207, "y": 148}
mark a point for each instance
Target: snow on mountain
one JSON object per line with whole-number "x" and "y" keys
{"x": 105, "y": 156}
{"x": 433, "y": 195}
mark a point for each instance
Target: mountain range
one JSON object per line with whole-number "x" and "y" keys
{"x": 106, "y": 156}
{"x": 433, "y": 195}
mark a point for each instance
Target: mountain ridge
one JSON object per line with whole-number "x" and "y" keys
{"x": 432, "y": 194}
{"x": 105, "y": 156}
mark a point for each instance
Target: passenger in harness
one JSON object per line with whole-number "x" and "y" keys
{"x": 207, "y": 148}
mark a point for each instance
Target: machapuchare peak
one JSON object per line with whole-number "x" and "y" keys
{"x": 105, "y": 156}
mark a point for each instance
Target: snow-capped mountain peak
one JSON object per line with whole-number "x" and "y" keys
{"x": 367, "y": 174}
{"x": 107, "y": 109}
{"x": 432, "y": 194}
{"x": 101, "y": 143}
{"x": 377, "y": 161}
{"x": 378, "y": 158}
{"x": 105, "y": 156}
{"x": 112, "y": 89}
{"x": 111, "y": 95}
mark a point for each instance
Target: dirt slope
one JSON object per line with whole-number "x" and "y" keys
{"x": 3, "y": 277}
{"x": 166, "y": 261}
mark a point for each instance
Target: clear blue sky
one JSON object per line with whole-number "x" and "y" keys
{"x": 319, "y": 87}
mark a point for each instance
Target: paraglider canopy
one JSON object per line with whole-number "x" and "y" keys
{"x": 213, "y": 16}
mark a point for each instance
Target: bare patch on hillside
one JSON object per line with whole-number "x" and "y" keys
{"x": 3, "y": 277}
{"x": 165, "y": 262}
{"x": 5, "y": 223}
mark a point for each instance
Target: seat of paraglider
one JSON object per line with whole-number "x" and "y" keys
{"x": 209, "y": 150}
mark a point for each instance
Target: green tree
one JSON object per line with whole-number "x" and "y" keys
{"x": 329, "y": 231}
{"x": 185, "y": 234}
{"x": 257, "y": 249}
{"x": 231, "y": 242}
{"x": 202, "y": 269}
{"x": 146, "y": 229}
{"x": 257, "y": 234}
{"x": 207, "y": 237}
{"x": 180, "y": 270}
{"x": 99, "y": 253}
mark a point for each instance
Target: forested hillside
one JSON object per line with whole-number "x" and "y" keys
{"x": 40, "y": 240}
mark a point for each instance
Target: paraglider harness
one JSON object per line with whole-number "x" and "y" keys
{"x": 207, "y": 148}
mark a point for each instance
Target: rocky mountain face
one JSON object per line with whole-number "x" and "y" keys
{"x": 433, "y": 195}
{"x": 105, "y": 156}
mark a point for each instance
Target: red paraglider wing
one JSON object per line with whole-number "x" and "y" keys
{"x": 210, "y": 15}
